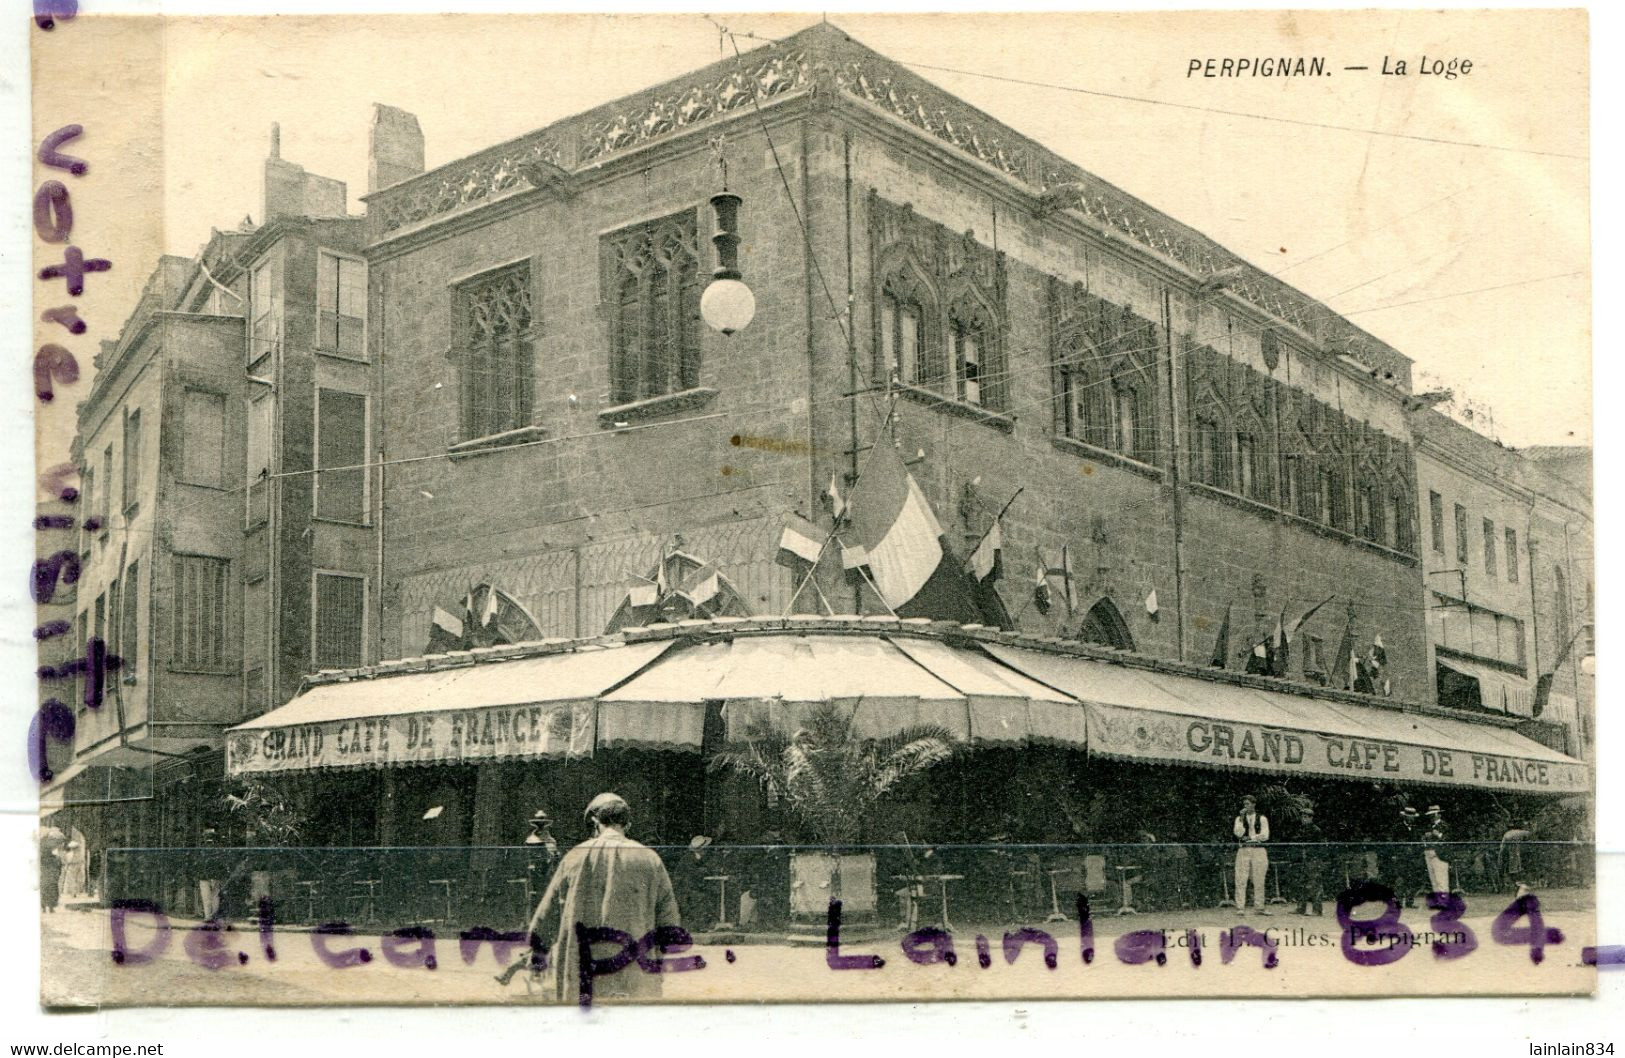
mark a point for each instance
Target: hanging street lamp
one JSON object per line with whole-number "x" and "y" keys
{"x": 727, "y": 304}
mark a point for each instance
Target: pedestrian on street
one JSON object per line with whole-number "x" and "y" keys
{"x": 1308, "y": 882}
{"x": 1437, "y": 867}
{"x": 1512, "y": 869}
{"x": 1252, "y": 829}
{"x": 611, "y": 881}
{"x": 1400, "y": 852}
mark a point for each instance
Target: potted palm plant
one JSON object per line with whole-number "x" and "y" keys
{"x": 830, "y": 779}
{"x": 269, "y": 820}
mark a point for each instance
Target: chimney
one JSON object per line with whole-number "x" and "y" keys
{"x": 395, "y": 147}
{"x": 290, "y": 191}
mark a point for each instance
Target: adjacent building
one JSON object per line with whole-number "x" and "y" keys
{"x": 219, "y": 560}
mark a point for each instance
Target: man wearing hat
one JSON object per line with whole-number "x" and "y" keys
{"x": 541, "y": 833}
{"x": 1399, "y": 858}
{"x": 1252, "y": 829}
{"x": 1437, "y": 868}
{"x": 611, "y": 881}
{"x": 694, "y": 894}
{"x": 1308, "y": 874}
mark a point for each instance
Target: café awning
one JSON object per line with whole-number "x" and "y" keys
{"x": 773, "y": 683}
{"x": 1170, "y": 718}
{"x": 489, "y": 709}
{"x": 1498, "y": 691}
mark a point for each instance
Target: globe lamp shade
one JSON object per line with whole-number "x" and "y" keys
{"x": 727, "y": 306}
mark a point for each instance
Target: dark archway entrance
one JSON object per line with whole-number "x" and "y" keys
{"x": 1104, "y": 624}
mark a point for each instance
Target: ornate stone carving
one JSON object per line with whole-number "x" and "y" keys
{"x": 471, "y": 182}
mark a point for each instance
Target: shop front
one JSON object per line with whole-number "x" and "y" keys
{"x": 1071, "y": 768}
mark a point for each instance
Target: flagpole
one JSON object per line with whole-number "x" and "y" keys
{"x": 791, "y": 605}
{"x": 998, "y": 518}
{"x": 878, "y": 594}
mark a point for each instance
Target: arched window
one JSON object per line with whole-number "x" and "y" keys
{"x": 1211, "y": 452}
{"x": 495, "y": 363}
{"x": 1253, "y": 478}
{"x": 1364, "y": 513}
{"x": 902, "y": 326}
{"x": 1085, "y": 407}
{"x": 1292, "y": 489}
{"x": 1400, "y": 527}
{"x": 628, "y": 341}
{"x": 1126, "y": 418}
{"x": 1331, "y": 487}
{"x": 1104, "y": 624}
{"x": 970, "y": 347}
{"x": 652, "y": 273}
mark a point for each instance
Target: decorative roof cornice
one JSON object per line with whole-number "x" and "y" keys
{"x": 824, "y": 60}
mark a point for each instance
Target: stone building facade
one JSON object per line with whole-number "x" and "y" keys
{"x": 1192, "y": 433}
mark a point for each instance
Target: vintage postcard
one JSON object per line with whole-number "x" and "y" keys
{"x": 605, "y": 508}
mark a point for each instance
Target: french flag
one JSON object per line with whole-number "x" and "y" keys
{"x": 893, "y": 527}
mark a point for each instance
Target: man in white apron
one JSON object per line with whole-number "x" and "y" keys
{"x": 1252, "y": 829}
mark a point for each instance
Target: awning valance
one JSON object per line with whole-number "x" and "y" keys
{"x": 773, "y": 683}
{"x": 657, "y": 694}
{"x": 491, "y": 710}
{"x": 1500, "y": 692}
{"x": 1169, "y": 718}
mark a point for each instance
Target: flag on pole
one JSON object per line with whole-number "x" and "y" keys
{"x": 1221, "y": 645}
{"x": 893, "y": 523}
{"x": 1292, "y": 629}
{"x": 986, "y": 561}
{"x": 853, "y": 557}
{"x": 445, "y": 632}
{"x": 1345, "y": 664}
{"x": 1069, "y": 583}
{"x": 702, "y": 586}
{"x": 800, "y": 542}
{"x": 1042, "y": 600}
{"x": 1280, "y": 647}
{"x": 1151, "y": 607}
{"x": 832, "y": 496}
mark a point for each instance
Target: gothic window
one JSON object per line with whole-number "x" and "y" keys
{"x": 902, "y": 332}
{"x": 1085, "y": 415}
{"x": 1212, "y": 453}
{"x": 652, "y": 282}
{"x": 1253, "y": 476}
{"x": 1126, "y": 418}
{"x": 1399, "y": 519}
{"x": 1366, "y": 511}
{"x": 978, "y": 373}
{"x": 493, "y": 351}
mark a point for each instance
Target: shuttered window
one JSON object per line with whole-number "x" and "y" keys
{"x": 129, "y": 625}
{"x": 132, "y": 460}
{"x": 340, "y": 616}
{"x": 203, "y": 439}
{"x": 199, "y": 624}
{"x": 342, "y": 301}
{"x": 258, "y": 480}
{"x": 341, "y": 441}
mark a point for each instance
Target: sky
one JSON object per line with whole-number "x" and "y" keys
{"x": 1449, "y": 217}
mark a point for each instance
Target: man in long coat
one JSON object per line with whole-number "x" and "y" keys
{"x": 610, "y": 881}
